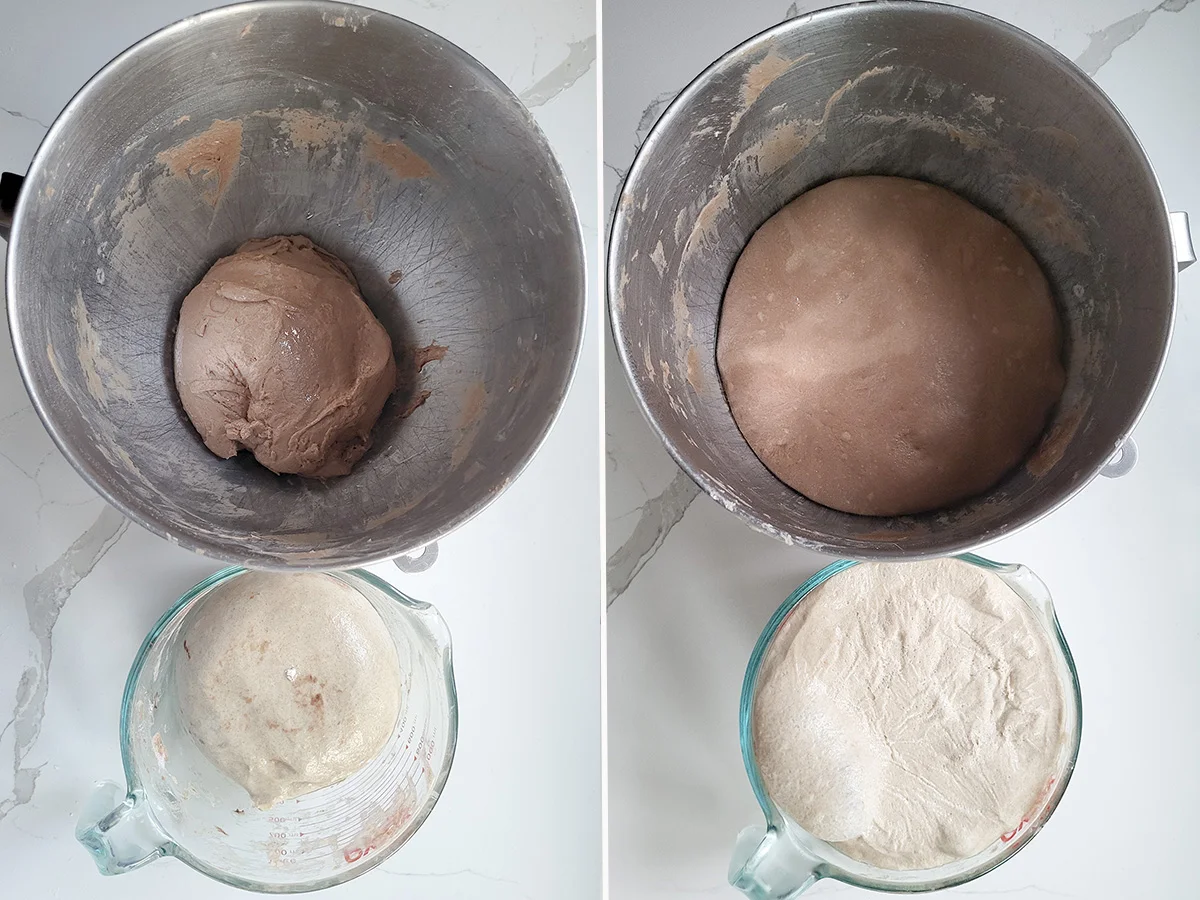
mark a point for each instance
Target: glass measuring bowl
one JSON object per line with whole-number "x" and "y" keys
{"x": 781, "y": 860}
{"x": 178, "y": 804}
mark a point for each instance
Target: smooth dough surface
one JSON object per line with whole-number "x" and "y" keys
{"x": 887, "y": 348}
{"x": 277, "y": 353}
{"x": 911, "y": 714}
{"x": 288, "y": 683}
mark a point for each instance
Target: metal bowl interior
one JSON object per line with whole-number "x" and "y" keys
{"x": 382, "y": 142}
{"x": 913, "y": 89}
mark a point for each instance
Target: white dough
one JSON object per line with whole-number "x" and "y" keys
{"x": 910, "y": 713}
{"x": 288, "y": 682}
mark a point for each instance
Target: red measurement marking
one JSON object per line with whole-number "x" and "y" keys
{"x": 1028, "y": 817}
{"x": 382, "y": 834}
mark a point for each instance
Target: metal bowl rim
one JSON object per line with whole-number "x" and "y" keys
{"x": 217, "y": 549}
{"x": 695, "y": 87}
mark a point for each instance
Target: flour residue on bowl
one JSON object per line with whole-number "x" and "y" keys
{"x": 212, "y": 154}
{"x": 309, "y": 130}
{"x": 684, "y": 332}
{"x": 94, "y": 195}
{"x": 473, "y": 404}
{"x": 622, "y": 284}
{"x": 983, "y": 103}
{"x": 694, "y": 377}
{"x": 397, "y": 157}
{"x": 659, "y": 258}
{"x": 364, "y": 201}
{"x": 469, "y": 420}
{"x": 849, "y": 86}
{"x": 1064, "y": 139}
{"x": 1054, "y": 444}
{"x": 681, "y": 222}
{"x": 105, "y": 380}
{"x": 1045, "y": 211}
{"x": 347, "y": 17}
{"x": 762, "y": 73}
{"x": 760, "y": 76}
{"x": 780, "y": 144}
{"x": 969, "y": 136}
{"x": 783, "y": 142}
{"x": 706, "y": 219}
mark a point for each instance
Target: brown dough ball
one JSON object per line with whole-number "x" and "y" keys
{"x": 887, "y": 348}
{"x": 277, "y": 353}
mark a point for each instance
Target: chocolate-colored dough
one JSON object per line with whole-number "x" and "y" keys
{"x": 887, "y": 348}
{"x": 277, "y": 353}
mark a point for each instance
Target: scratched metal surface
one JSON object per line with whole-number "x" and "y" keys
{"x": 107, "y": 241}
{"x": 924, "y": 91}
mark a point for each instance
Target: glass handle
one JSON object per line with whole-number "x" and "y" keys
{"x": 768, "y": 866}
{"x": 116, "y": 828}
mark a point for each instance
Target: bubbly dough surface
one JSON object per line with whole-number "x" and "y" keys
{"x": 910, "y": 713}
{"x": 277, "y": 353}
{"x": 887, "y": 348}
{"x": 288, "y": 683}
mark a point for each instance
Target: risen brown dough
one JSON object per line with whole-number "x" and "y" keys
{"x": 887, "y": 348}
{"x": 277, "y": 353}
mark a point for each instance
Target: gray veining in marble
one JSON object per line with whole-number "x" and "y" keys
{"x": 1103, "y": 43}
{"x": 20, "y": 115}
{"x": 658, "y": 516}
{"x": 45, "y": 595}
{"x": 581, "y": 56}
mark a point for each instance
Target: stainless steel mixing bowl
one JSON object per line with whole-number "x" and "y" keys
{"x": 385, "y": 144}
{"x": 899, "y": 88}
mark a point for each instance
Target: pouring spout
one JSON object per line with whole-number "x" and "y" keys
{"x": 117, "y": 829}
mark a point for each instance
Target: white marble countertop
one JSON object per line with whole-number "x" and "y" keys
{"x": 690, "y": 587}
{"x": 80, "y": 587}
